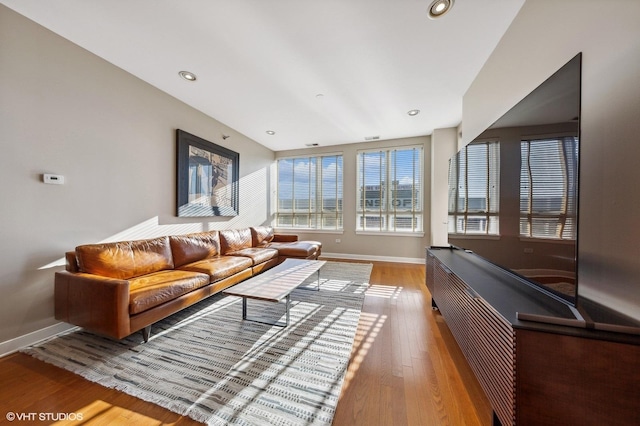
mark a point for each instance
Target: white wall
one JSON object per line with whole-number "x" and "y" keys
{"x": 544, "y": 36}
{"x": 444, "y": 144}
{"x": 64, "y": 110}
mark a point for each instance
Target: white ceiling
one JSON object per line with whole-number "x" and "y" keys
{"x": 261, "y": 63}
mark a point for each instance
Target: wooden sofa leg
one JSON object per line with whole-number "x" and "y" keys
{"x": 146, "y": 332}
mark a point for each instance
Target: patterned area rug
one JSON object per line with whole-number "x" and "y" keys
{"x": 208, "y": 364}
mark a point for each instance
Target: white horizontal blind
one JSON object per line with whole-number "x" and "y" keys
{"x": 390, "y": 187}
{"x": 549, "y": 188}
{"x": 309, "y": 192}
{"x": 474, "y": 189}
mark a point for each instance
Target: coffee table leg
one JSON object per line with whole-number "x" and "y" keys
{"x": 287, "y": 307}
{"x": 278, "y": 323}
{"x": 309, "y": 288}
{"x": 244, "y": 308}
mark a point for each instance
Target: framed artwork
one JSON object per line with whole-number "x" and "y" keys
{"x": 207, "y": 178}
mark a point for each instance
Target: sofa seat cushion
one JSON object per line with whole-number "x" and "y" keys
{"x": 154, "y": 289}
{"x": 220, "y": 267}
{"x": 301, "y": 249}
{"x": 256, "y": 254}
{"x": 125, "y": 259}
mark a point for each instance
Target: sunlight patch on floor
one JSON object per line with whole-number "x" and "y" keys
{"x": 369, "y": 327}
{"x": 101, "y": 412}
{"x": 385, "y": 291}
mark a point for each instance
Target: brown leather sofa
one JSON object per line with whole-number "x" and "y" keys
{"x": 115, "y": 289}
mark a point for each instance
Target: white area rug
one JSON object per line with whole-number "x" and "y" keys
{"x": 208, "y": 364}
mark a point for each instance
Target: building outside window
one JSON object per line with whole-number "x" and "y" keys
{"x": 474, "y": 190}
{"x": 309, "y": 192}
{"x": 390, "y": 190}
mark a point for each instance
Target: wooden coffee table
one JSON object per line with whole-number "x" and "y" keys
{"x": 276, "y": 284}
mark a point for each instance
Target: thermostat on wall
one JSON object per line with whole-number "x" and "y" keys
{"x": 53, "y": 179}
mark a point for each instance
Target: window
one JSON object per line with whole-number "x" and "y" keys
{"x": 390, "y": 190}
{"x": 310, "y": 192}
{"x": 549, "y": 188}
{"x": 474, "y": 189}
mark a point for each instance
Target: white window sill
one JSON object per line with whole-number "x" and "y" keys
{"x": 475, "y": 236}
{"x": 307, "y": 231}
{"x": 391, "y": 234}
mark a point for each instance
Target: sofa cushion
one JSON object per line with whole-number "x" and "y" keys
{"x": 256, "y": 254}
{"x": 261, "y": 235}
{"x": 300, "y": 249}
{"x": 125, "y": 259}
{"x": 151, "y": 290}
{"x": 234, "y": 239}
{"x": 220, "y": 267}
{"x": 190, "y": 248}
{"x": 284, "y": 238}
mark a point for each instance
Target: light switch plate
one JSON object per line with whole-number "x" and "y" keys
{"x": 53, "y": 179}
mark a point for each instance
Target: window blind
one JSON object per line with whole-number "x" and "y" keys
{"x": 309, "y": 192}
{"x": 390, "y": 187}
{"x": 549, "y": 188}
{"x": 474, "y": 189}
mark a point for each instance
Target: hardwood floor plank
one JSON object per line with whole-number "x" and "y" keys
{"x": 37, "y": 387}
{"x": 405, "y": 369}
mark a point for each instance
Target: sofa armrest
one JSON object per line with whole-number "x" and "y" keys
{"x": 284, "y": 238}
{"x": 71, "y": 261}
{"x": 97, "y": 303}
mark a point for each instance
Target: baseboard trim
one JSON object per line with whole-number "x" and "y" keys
{"x": 10, "y": 346}
{"x": 348, "y": 256}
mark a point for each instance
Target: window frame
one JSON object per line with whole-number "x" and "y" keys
{"x": 564, "y": 216}
{"x": 316, "y": 212}
{"x": 456, "y": 213}
{"x": 388, "y": 212}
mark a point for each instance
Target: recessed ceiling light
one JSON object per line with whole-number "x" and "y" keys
{"x": 271, "y": 132}
{"x": 414, "y": 112}
{"x": 189, "y": 76}
{"x": 437, "y": 8}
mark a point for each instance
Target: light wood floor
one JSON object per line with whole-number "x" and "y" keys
{"x": 405, "y": 369}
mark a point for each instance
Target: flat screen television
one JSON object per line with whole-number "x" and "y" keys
{"x": 513, "y": 191}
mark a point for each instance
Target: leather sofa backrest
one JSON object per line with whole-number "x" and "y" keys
{"x": 125, "y": 259}
{"x": 261, "y": 235}
{"x": 235, "y": 239}
{"x": 193, "y": 247}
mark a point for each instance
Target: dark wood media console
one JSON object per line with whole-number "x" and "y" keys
{"x": 557, "y": 372}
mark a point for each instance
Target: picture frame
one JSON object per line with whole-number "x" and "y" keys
{"x": 207, "y": 177}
